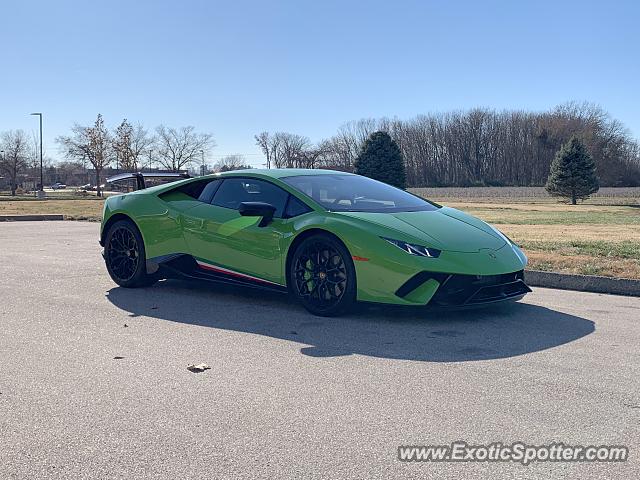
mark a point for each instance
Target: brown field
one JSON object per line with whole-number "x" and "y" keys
{"x": 600, "y": 236}
{"x": 75, "y": 209}
{"x": 606, "y": 195}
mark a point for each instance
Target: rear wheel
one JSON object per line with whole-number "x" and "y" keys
{"x": 125, "y": 256}
{"x": 322, "y": 276}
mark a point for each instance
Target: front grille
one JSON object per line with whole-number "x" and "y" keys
{"x": 460, "y": 290}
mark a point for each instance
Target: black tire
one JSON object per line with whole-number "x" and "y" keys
{"x": 322, "y": 276}
{"x": 125, "y": 256}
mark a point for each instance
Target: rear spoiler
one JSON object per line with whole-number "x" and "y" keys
{"x": 140, "y": 176}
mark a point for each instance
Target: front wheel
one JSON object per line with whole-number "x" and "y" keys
{"x": 125, "y": 256}
{"x": 322, "y": 276}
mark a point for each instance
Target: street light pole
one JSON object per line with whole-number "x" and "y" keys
{"x": 41, "y": 174}
{"x": 202, "y": 172}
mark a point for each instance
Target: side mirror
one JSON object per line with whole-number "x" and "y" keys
{"x": 258, "y": 209}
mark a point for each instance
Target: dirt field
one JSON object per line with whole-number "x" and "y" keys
{"x": 605, "y": 196}
{"x": 73, "y": 209}
{"x": 600, "y": 236}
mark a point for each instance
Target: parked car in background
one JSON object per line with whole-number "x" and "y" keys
{"x": 58, "y": 186}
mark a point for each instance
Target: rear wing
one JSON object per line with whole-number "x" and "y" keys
{"x": 140, "y": 177}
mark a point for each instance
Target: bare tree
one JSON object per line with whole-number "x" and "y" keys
{"x": 335, "y": 153}
{"x": 293, "y": 150}
{"x": 283, "y": 149}
{"x": 141, "y": 143}
{"x": 315, "y": 156}
{"x": 121, "y": 145}
{"x": 270, "y": 146}
{"x": 15, "y": 158}
{"x": 177, "y": 148}
{"x": 92, "y": 143}
{"x": 130, "y": 145}
{"x": 231, "y": 162}
{"x": 485, "y": 147}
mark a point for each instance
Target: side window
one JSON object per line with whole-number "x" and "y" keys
{"x": 196, "y": 189}
{"x": 209, "y": 190}
{"x": 295, "y": 207}
{"x": 124, "y": 186}
{"x": 304, "y": 186}
{"x": 234, "y": 191}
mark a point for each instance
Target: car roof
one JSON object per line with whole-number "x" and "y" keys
{"x": 282, "y": 172}
{"x": 263, "y": 173}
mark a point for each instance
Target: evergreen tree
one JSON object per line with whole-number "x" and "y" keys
{"x": 381, "y": 159}
{"x": 573, "y": 172}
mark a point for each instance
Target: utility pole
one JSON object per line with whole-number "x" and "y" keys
{"x": 202, "y": 169}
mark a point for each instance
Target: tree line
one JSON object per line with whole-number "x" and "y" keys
{"x": 572, "y": 175}
{"x": 129, "y": 147}
{"x": 17, "y": 153}
{"x": 461, "y": 148}
{"x": 474, "y": 147}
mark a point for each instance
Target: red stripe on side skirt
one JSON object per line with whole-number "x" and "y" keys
{"x": 234, "y": 274}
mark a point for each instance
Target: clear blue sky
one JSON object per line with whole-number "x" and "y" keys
{"x": 236, "y": 68}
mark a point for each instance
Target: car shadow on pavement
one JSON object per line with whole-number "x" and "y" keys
{"x": 500, "y": 331}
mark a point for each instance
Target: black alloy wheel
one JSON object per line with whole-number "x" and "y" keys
{"x": 322, "y": 276}
{"x": 124, "y": 255}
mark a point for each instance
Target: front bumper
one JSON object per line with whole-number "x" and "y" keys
{"x": 456, "y": 290}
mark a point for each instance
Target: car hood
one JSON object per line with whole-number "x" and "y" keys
{"x": 445, "y": 228}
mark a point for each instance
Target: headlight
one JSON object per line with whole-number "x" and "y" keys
{"x": 412, "y": 249}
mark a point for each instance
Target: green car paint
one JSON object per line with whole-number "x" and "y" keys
{"x": 172, "y": 222}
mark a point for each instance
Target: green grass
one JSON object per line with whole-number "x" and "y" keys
{"x": 592, "y": 269}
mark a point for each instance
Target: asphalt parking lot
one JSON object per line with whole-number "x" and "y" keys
{"x": 290, "y": 395}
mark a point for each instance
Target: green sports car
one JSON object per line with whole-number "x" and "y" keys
{"x": 328, "y": 238}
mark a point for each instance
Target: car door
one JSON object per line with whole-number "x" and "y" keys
{"x": 227, "y": 243}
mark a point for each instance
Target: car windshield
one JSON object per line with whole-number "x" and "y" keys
{"x": 353, "y": 193}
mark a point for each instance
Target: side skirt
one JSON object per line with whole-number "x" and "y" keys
{"x": 186, "y": 266}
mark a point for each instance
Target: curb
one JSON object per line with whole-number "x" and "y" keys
{"x": 583, "y": 283}
{"x": 31, "y": 218}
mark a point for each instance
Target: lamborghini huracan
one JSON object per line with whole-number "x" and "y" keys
{"x": 329, "y": 238}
